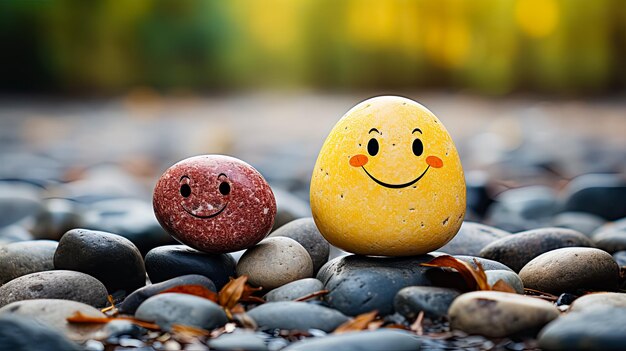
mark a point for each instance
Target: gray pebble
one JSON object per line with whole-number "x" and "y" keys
{"x": 434, "y": 301}
{"x": 305, "y": 232}
{"x": 25, "y": 334}
{"x": 509, "y": 277}
{"x": 170, "y": 308}
{"x": 471, "y": 238}
{"x": 25, "y": 257}
{"x": 382, "y": 339}
{"x": 294, "y": 290}
{"x": 296, "y": 316}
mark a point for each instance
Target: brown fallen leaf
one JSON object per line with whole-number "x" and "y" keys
{"x": 475, "y": 278}
{"x": 357, "y": 323}
{"x": 188, "y": 331}
{"x": 81, "y": 318}
{"x": 312, "y": 295}
{"x": 196, "y": 290}
{"x": 501, "y": 285}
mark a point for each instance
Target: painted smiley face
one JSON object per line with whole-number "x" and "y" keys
{"x": 388, "y": 181}
{"x": 214, "y": 203}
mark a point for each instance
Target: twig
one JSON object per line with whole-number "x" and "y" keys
{"x": 312, "y": 295}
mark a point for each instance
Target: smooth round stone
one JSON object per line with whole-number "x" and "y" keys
{"x": 599, "y": 194}
{"x": 610, "y": 241}
{"x": 132, "y": 301}
{"x": 14, "y": 233}
{"x": 620, "y": 258}
{"x": 26, "y": 334}
{"x": 518, "y": 249}
{"x": 57, "y": 216}
{"x": 498, "y": 314}
{"x": 583, "y": 222}
{"x": 18, "y": 200}
{"x": 275, "y": 262}
{"x": 360, "y": 284}
{"x": 382, "y": 339}
{"x": 434, "y": 301}
{"x": 119, "y": 327}
{"x": 388, "y": 181}
{"x": 597, "y": 300}
{"x": 571, "y": 269}
{"x": 238, "y": 341}
{"x": 25, "y": 257}
{"x": 171, "y": 261}
{"x": 523, "y": 208}
{"x": 305, "y": 232}
{"x": 471, "y": 238}
{"x": 289, "y": 207}
{"x": 110, "y": 258}
{"x": 169, "y": 308}
{"x": 488, "y": 265}
{"x": 66, "y": 285}
{"x": 131, "y": 218}
{"x": 54, "y": 313}
{"x": 594, "y": 329}
{"x": 512, "y": 279}
{"x": 618, "y": 225}
{"x": 296, "y": 316}
{"x": 294, "y": 290}
{"x": 214, "y": 203}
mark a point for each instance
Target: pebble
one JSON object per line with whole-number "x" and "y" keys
{"x": 132, "y": 301}
{"x": 471, "y": 238}
{"x": 583, "y": 222}
{"x": 599, "y": 194}
{"x": 620, "y": 258}
{"x": 275, "y": 262}
{"x": 305, "y": 232}
{"x": 289, "y": 207}
{"x": 110, "y": 258}
{"x": 498, "y": 314}
{"x": 171, "y": 261}
{"x": 131, "y": 218}
{"x": 117, "y": 328}
{"x": 25, "y": 257}
{"x": 214, "y": 203}
{"x": 236, "y": 341}
{"x": 294, "y": 290}
{"x": 54, "y": 313}
{"x": 18, "y": 201}
{"x": 360, "y": 284}
{"x": 170, "y": 308}
{"x": 518, "y": 249}
{"x": 509, "y": 277}
{"x": 524, "y": 208}
{"x": 596, "y": 300}
{"x": 58, "y": 284}
{"x": 382, "y": 339}
{"x": 434, "y": 301}
{"x": 594, "y": 329}
{"x": 610, "y": 241}
{"x": 571, "y": 269}
{"x": 26, "y": 334}
{"x": 378, "y": 184}
{"x": 56, "y": 217}
{"x": 488, "y": 265}
{"x": 14, "y": 233}
{"x": 296, "y": 316}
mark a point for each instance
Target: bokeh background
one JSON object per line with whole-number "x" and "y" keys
{"x": 98, "y": 98}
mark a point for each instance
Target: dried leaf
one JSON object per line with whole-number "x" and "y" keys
{"x": 232, "y": 292}
{"x": 110, "y": 308}
{"x": 312, "y": 295}
{"x": 417, "y": 325}
{"x": 196, "y": 290}
{"x": 81, "y": 318}
{"x": 188, "y": 331}
{"x": 374, "y": 325}
{"x": 501, "y": 285}
{"x": 359, "y": 322}
{"x": 245, "y": 321}
{"x": 475, "y": 278}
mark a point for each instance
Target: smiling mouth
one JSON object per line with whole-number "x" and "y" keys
{"x": 396, "y": 186}
{"x": 205, "y": 216}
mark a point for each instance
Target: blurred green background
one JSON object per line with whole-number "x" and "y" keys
{"x": 485, "y": 46}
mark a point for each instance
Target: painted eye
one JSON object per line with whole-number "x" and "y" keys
{"x": 418, "y": 147}
{"x": 372, "y": 147}
{"x": 224, "y": 188}
{"x": 185, "y": 190}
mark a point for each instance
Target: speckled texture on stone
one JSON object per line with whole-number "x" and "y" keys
{"x": 25, "y": 257}
{"x": 214, "y": 203}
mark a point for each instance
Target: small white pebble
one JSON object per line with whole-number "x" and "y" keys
{"x": 171, "y": 345}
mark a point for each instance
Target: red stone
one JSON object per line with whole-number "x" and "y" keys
{"x": 214, "y": 203}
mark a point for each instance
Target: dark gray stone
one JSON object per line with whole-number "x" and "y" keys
{"x": 112, "y": 259}
{"x": 434, "y": 301}
{"x": 238, "y": 341}
{"x": 518, "y": 249}
{"x": 66, "y": 285}
{"x": 117, "y": 328}
{"x": 523, "y": 208}
{"x": 171, "y": 261}
{"x": 25, "y": 257}
{"x": 26, "y": 334}
{"x": 599, "y": 194}
{"x": 296, "y": 316}
{"x": 595, "y": 329}
{"x": 132, "y": 301}
{"x": 382, "y": 339}
{"x": 56, "y": 217}
{"x": 305, "y": 232}
{"x": 583, "y": 222}
{"x": 169, "y": 308}
{"x": 360, "y": 284}
{"x": 294, "y": 290}
{"x": 471, "y": 238}
{"x": 130, "y": 218}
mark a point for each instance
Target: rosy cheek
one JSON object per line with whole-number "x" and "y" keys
{"x": 434, "y": 161}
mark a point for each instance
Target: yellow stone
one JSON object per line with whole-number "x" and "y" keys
{"x": 388, "y": 181}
